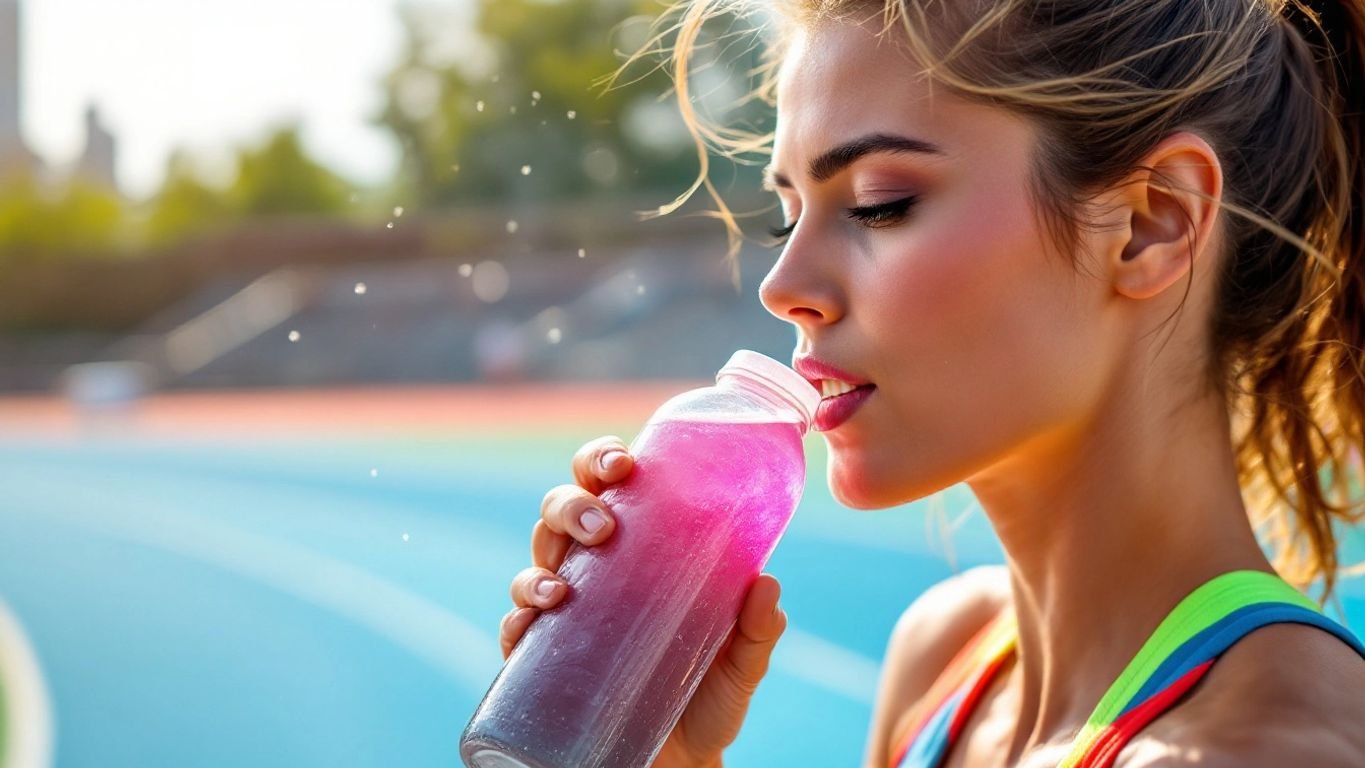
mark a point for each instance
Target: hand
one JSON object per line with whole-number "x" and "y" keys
{"x": 572, "y": 513}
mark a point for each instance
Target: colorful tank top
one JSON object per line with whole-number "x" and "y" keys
{"x": 1176, "y": 656}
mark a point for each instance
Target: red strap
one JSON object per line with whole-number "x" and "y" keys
{"x": 1106, "y": 748}
{"x": 953, "y": 676}
{"x": 979, "y": 686}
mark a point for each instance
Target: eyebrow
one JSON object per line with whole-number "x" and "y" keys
{"x": 829, "y": 163}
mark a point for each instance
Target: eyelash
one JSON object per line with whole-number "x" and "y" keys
{"x": 871, "y": 216}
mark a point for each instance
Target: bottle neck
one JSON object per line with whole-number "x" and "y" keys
{"x": 784, "y": 405}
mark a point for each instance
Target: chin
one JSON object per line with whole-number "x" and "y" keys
{"x": 858, "y": 486}
{"x": 857, "y": 489}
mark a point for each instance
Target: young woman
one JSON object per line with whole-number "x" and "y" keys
{"x": 1104, "y": 262}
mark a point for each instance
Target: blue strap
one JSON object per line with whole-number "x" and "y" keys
{"x": 1217, "y": 638}
{"x": 931, "y": 745}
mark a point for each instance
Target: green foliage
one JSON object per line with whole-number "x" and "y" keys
{"x": 278, "y": 178}
{"x": 34, "y": 224}
{"x": 185, "y": 205}
{"x": 544, "y": 59}
{"x": 79, "y": 218}
{"x": 275, "y": 178}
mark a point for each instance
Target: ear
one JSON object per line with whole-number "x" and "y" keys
{"x": 1169, "y": 207}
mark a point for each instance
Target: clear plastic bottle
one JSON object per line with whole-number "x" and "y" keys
{"x": 600, "y": 680}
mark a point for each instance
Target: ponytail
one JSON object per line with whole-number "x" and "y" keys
{"x": 1303, "y": 381}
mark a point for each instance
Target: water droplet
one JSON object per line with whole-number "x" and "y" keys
{"x": 526, "y": 170}
{"x": 572, "y": 114}
{"x": 478, "y": 105}
{"x": 398, "y": 210}
{"x": 535, "y": 95}
{"x": 455, "y": 168}
{"x": 582, "y": 253}
{"x": 293, "y": 336}
{"x": 511, "y": 226}
{"x": 512, "y": 109}
{"x": 374, "y": 473}
{"x": 601, "y": 164}
{"x": 466, "y": 270}
{"x": 389, "y": 225}
{"x": 491, "y": 281}
{"x": 360, "y": 289}
{"x": 554, "y": 336}
{"x": 405, "y": 536}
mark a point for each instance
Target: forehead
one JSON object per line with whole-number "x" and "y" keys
{"x": 842, "y": 80}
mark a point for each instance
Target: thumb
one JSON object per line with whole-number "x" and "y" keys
{"x": 761, "y": 622}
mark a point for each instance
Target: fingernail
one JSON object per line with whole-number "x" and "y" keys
{"x": 611, "y": 460}
{"x": 545, "y": 588}
{"x": 592, "y": 521}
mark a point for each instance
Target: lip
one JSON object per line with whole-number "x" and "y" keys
{"x": 833, "y": 411}
{"x": 814, "y": 370}
{"x": 837, "y": 409}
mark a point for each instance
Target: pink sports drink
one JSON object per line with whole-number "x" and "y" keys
{"x": 600, "y": 680}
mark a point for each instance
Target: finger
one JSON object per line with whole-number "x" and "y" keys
{"x": 568, "y": 509}
{"x": 513, "y": 626}
{"x": 548, "y": 548}
{"x": 761, "y": 622}
{"x": 537, "y": 588}
{"x": 602, "y": 462}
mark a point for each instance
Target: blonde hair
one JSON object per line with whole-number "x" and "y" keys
{"x": 1275, "y": 86}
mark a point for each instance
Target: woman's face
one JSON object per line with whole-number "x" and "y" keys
{"x": 917, "y": 264}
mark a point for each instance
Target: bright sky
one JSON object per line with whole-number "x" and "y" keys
{"x": 209, "y": 75}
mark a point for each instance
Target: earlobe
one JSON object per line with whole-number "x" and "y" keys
{"x": 1172, "y": 204}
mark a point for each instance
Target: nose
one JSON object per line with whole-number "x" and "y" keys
{"x": 799, "y": 290}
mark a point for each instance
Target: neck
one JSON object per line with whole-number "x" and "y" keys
{"x": 1096, "y": 564}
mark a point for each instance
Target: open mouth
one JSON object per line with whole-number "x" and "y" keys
{"x": 839, "y": 401}
{"x": 834, "y": 388}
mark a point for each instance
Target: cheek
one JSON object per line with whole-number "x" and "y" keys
{"x": 973, "y": 289}
{"x": 979, "y": 339}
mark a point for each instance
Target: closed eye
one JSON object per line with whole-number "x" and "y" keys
{"x": 883, "y": 214}
{"x": 873, "y": 216}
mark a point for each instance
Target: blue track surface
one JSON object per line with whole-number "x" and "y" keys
{"x": 237, "y": 604}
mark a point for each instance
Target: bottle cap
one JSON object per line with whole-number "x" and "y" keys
{"x": 793, "y": 386}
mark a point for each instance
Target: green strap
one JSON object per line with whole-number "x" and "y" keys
{"x": 1202, "y": 608}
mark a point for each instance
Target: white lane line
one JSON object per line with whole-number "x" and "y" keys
{"x": 443, "y": 639}
{"x": 826, "y": 665}
{"x": 27, "y": 708}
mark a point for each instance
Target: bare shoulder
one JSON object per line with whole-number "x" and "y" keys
{"x": 1287, "y": 694}
{"x": 929, "y": 633}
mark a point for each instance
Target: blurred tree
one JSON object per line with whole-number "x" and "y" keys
{"x": 185, "y": 204}
{"x": 37, "y": 223}
{"x": 278, "y": 177}
{"x": 525, "y": 121}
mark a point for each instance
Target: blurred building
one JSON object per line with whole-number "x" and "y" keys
{"x": 96, "y": 164}
{"x": 15, "y": 157}
{"x": 97, "y": 161}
